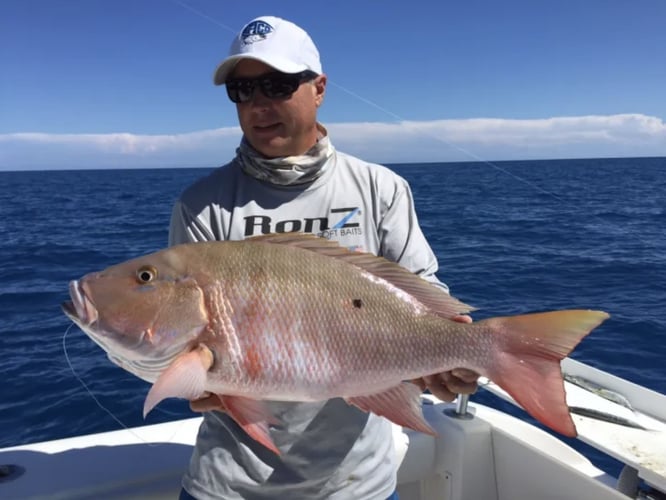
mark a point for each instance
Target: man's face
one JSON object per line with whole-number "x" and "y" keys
{"x": 279, "y": 127}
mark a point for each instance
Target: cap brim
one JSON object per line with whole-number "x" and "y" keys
{"x": 227, "y": 66}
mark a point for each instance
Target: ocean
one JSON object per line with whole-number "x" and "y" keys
{"x": 511, "y": 237}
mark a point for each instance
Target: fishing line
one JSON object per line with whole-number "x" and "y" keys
{"x": 405, "y": 123}
{"x": 568, "y": 204}
{"x": 109, "y": 412}
{"x": 401, "y": 121}
{"x": 85, "y": 386}
{"x": 203, "y": 15}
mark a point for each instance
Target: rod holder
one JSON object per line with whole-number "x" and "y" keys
{"x": 461, "y": 408}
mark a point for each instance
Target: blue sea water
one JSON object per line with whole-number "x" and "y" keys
{"x": 511, "y": 237}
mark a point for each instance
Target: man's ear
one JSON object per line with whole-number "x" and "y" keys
{"x": 320, "y": 89}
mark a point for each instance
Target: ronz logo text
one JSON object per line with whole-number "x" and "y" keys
{"x": 263, "y": 224}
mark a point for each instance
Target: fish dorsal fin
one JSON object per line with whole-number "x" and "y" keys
{"x": 431, "y": 296}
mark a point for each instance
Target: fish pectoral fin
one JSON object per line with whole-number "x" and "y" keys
{"x": 184, "y": 378}
{"x": 400, "y": 404}
{"x": 253, "y": 416}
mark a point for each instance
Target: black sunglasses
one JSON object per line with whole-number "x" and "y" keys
{"x": 274, "y": 85}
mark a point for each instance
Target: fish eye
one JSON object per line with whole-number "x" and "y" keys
{"x": 146, "y": 274}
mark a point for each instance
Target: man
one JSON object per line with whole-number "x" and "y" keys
{"x": 287, "y": 176}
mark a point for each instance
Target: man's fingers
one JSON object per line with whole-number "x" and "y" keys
{"x": 439, "y": 388}
{"x": 465, "y": 375}
{"x": 208, "y": 403}
{"x": 447, "y": 385}
{"x": 458, "y": 385}
{"x": 442, "y": 392}
{"x": 420, "y": 382}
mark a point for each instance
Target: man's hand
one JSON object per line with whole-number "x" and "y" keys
{"x": 208, "y": 402}
{"x": 447, "y": 385}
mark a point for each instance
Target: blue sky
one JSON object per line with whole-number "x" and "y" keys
{"x": 128, "y": 83}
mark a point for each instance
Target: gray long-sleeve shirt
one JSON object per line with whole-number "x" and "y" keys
{"x": 329, "y": 449}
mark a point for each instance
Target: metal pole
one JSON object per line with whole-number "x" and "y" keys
{"x": 461, "y": 404}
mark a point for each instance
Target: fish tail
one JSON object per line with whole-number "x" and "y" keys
{"x": 528, "y": 364}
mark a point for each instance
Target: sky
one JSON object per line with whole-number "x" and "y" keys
{"x": 128, "y": 83}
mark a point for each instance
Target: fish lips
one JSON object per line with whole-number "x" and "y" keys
{"x": 80, "y": 309}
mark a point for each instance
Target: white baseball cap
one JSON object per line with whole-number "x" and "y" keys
{"x": 273, "y": 41}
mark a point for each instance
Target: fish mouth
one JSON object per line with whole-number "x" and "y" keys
{"x": 80, "y": 309}
{"x": 83, "y": 313}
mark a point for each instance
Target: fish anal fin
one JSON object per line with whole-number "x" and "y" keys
{"x": 400, "y": 404}
{"x": 253, "y": 417}
{"x": 185, "y": 378}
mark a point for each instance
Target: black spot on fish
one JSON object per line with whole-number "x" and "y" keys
{"x": 357, "y": 303}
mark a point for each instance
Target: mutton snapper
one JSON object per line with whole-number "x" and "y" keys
{"x": 298, "y": 318}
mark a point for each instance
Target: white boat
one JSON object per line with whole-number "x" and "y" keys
{"x": 484, "y": 454}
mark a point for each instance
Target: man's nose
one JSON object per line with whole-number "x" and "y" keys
{"x": 259, "y": 98}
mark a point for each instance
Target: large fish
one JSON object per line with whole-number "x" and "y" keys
{"x": 298, "y": 318}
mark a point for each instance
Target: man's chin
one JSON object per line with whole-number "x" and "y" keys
{"x": 272, "y": 147}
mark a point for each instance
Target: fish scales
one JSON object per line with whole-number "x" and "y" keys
{"x": 318, "y": 329}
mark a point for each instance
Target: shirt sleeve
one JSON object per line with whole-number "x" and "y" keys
{"x": 186, "y": 227}
{"x": 401, "y": 237}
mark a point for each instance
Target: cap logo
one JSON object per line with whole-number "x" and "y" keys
{"x": 255, "y": 32}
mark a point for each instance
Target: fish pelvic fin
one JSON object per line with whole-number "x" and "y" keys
{"x": 184, "y": 378}
{"x": 401, "y": 405}
{"x": 253, "y": 416}
{"x": 528, "y": 365}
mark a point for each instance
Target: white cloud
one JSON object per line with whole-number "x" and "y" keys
{"x": 399, "y": 142}
{"x": 39, "y": 150}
